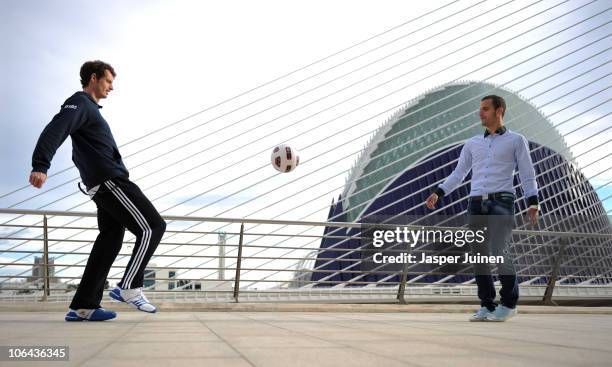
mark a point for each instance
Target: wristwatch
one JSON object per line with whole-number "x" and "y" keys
{"x": 536, "y": 206}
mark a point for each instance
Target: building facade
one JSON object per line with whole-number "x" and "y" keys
{"x": 417, "y": 148}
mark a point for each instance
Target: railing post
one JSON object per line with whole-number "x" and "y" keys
{"x": 550, "y": 287}
{"x": 46, "y": 290}
{"x": 238, "y": 264}
{"x": 402, "y": 286}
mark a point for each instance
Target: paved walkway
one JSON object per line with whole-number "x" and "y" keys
{"x": 315, "y": 339}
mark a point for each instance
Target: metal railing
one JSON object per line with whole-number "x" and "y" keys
{"x": 279, "y": 271}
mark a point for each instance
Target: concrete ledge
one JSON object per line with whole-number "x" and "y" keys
{"x": 306, "y": 307}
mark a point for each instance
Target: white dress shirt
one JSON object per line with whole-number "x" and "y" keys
{"x": 493, "y": 159}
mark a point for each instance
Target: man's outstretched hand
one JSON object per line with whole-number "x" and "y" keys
{"x": 431, "y": 201}
{"x": 37, "y": 179}
{"x": 532, "y": 213}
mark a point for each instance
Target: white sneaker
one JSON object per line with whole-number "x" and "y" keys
{"x": 481, "y": 314}
{"x": 134, "y": 297}
{"x": 502, "y": 313}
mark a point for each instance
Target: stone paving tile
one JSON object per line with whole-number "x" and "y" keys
{"x": 278, "y": 341}
{"x": 172, "y": 362}
{"x": 556, "y": 355}
{"x": 168, "y": 337}
{"x": 316, "y": 339}
{"x": 480, "y": 360}
{"x": 536, "y": 328}
{"x": 245, "y": 328}
{"x": 221, "y": 316}
{"x": 323, "y": 357}
{"x": 407, "y": 350}
{"x": 165, "y": 349}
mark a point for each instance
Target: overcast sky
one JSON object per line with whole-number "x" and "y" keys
{"x": 172, "y": 59}
{"x": 176, "y": 58}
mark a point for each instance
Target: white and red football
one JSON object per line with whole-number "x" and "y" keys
{"x": 284, "y": 158}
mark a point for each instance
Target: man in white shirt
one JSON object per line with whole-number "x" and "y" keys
{"x": 492, "y": 157}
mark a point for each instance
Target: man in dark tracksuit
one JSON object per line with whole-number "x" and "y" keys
{"x": 120, "y": 202}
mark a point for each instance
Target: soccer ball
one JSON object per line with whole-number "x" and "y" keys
{"x": 284, "y": 158}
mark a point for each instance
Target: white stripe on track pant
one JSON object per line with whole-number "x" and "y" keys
{"x": 121, "y": 204}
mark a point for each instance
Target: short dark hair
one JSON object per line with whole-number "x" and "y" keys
{"x": 497, "y": 102}
{"x": 97, "y": 67}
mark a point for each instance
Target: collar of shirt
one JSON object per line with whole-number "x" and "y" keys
{"x": 499, "y": 131}
{"x": 90, "y": 98}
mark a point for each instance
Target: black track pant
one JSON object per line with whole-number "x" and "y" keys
{"x": 121, "y": 205}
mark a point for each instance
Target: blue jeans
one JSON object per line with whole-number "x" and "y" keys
{"x": 497, "y": 216}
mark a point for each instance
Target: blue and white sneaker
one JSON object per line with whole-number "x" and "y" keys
{"x": 502, "y": 313}
{"x": 134, "y": 297}
{"x": 481, "y": 314}
{"x": 96, "y": 314}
